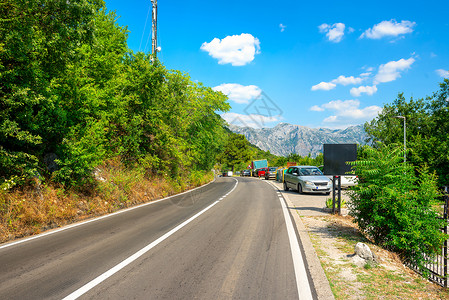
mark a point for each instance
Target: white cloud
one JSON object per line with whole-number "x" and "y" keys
{"x": 239, "y": 93}
{"x": 237, "y": 50}
{"x": 391, "y": 70}
{"x": 325, "y": 86}
{"x": 333, "y": 32}
{"x": 369, "y": 90}
{"x": 347, "y": 112}
{"x": 388, "y": 28}
{"x": 443, "y": 73}
{"x": 331, "y": 119}
{"x": 282, "y": 27}
{"x": 252, "y": 120}
{"x": 316, "y": 108}
{"x": 339, "y": 105}
{"x": 347, "y": 80}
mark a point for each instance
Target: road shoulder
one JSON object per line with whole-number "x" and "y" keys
{"x": 319, "y": 278}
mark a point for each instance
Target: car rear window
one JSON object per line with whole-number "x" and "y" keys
{"x": 310, "y": 171}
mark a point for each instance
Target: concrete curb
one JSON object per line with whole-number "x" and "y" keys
{"x": 319, "y": 279}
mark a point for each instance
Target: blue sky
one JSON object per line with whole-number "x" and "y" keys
{"x": 313, "y": 63}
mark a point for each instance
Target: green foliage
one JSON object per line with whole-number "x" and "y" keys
{"x": 301, "y": 160}
{"x": 329, "y": 203}
{"x": 392, "y": 205}
{"x": 72, "y": 88}
{"x": 237, "y": 152}
{"x": 427, "y": 122}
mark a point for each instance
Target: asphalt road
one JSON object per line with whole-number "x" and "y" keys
{"x": 226, "y": 240}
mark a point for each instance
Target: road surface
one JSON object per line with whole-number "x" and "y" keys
{"x": 226, "y": 240}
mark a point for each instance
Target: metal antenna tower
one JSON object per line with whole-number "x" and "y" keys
{"x": 154, "y": 47}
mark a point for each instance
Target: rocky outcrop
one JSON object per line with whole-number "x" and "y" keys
{"x": 285, "y": 138}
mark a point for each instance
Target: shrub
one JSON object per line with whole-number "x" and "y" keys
{"x": 329, "y": 203}
{"x": 392, "y": 204}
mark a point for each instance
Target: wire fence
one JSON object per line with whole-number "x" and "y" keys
{"x": 437, "y": 265}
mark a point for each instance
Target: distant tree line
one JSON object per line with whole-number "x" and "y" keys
{"x": 238, "y": 154}
{"x": 73, "y": 95}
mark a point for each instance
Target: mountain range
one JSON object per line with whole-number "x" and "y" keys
{"x": 285, "y": 138}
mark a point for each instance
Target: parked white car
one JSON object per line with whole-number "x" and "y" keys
{"x": 347, "y": 180}
{"x": 307, "y": 179}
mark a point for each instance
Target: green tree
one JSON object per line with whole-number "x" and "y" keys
{"x": 237, "y": 151}
{"x": 393, "y": 206}
{"x": 427, "y": 130}
{"x": 37, "y": 41}
{"x": 72, "y": 88}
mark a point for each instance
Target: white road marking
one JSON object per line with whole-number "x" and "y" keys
{"x": 96, "y": 219}
{"x": 302, "y": 281}
{"x": 87, "y": 287}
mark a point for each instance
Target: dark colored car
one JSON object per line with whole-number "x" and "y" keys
{"x": 255, "y": 171}
{"x": 271, "y": 173}
{"x": 245, "y": 173}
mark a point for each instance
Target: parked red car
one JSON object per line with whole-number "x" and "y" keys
{"x": 261, "y": 172}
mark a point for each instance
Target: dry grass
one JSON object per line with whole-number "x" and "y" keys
{"x": 42, "y": 207}
{"x": 334, "y": 239}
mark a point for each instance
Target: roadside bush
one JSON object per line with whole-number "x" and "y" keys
{"x": 392, "y": 204}
{"x": 329, "y": 203}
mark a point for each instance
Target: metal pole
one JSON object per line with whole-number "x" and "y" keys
{"x": 405, "y": 141}
{"x": 333, "y": 193}
{"x": 445, "y": 258}
{"x": 154, "y": 28}
{"x": 339, "y": 195}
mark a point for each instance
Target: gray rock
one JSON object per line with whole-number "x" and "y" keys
{"x": 97, "y": 175}
{"x": 358, "y": 261}
{"x": 285, "y": 138}
{"x": 363, "y": 251}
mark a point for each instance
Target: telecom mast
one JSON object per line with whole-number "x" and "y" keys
{"x": 154, "y": 47}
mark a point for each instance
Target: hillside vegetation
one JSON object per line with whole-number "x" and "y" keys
{"x": 76, "y": 103}
{"x": 74, "y": 95}
{"x": 398, "y": 201}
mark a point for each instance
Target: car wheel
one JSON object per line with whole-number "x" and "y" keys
{"x": 299, "y": 188}
{"x": 328, "y": 193}
{"x": 285, "y": 186}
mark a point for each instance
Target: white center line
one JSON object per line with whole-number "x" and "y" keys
{"x": 98, "y": 218}
{"x": 85, "y": 288}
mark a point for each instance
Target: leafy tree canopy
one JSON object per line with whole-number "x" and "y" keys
{"x": 74, "y": 95}
{"x": 427, "y": 129}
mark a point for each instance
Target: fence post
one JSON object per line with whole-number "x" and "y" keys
{"x": 333, "y": 194}
{"x": 339, "y": 195}
{"x": 336, "y": 183}
{"x": 445, "y": 215}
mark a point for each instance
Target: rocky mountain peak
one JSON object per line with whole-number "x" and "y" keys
{"x": 286, "y": 138}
